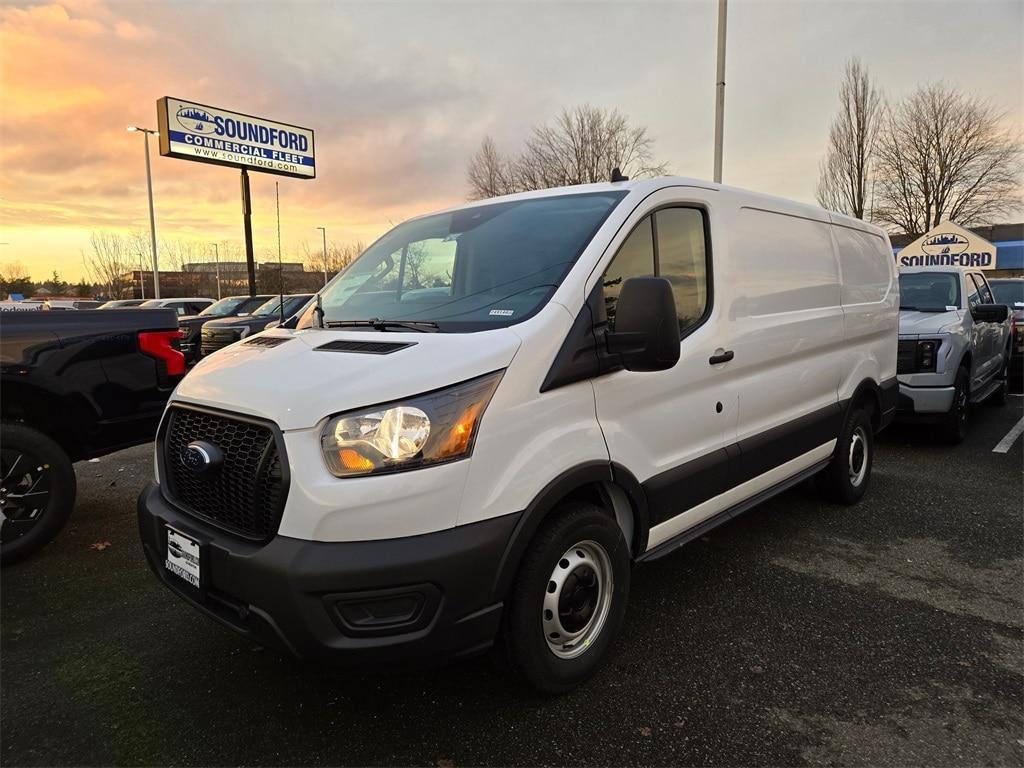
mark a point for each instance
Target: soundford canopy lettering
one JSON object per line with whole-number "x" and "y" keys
{"x": 949, "y": 245}
{"x": 205, "y": 134}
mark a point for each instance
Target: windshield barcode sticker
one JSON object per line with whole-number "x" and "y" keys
{"x": 501, "y": 312}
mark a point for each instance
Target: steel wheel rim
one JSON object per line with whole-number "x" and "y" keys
{"x": 577, "y": 599}
{"x": 858, "y": 463}
{"x": 24, "y": 493}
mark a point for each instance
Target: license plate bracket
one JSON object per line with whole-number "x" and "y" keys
{"x": 184, "y": 558}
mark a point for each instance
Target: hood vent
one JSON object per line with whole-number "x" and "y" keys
{"x": 268, "y": 341}
{"x": 365, "y": 347}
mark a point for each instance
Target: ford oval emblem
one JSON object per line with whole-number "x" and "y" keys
{"x": 201, "y": 457}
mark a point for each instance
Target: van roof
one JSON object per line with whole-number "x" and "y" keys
{"x": 640, "y": 188}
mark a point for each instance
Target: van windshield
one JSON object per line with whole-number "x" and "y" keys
{"x": 471, "y": 269}
{"x": 929, "y": 291}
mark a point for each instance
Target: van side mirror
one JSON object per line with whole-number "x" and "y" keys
{"x": 990, "y": 313}
{"x": 646, "y": 336}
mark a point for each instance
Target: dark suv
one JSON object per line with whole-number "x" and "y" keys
{"x": 1010, "y": 291}
{"x": 230, "y": 306}
{"x": 218, "y": 334}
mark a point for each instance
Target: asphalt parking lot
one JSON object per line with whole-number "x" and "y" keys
{"x": 891, "y": 633}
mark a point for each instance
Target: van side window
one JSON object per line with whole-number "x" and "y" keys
{"x": 669, "y": 243}
{"x": 680, "y": 257}
{"x": 634, "y": 259}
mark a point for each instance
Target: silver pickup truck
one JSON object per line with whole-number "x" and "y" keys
{"x": 954, "y": 346}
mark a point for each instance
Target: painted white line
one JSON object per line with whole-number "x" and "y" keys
{"x": 1011, "y": 437}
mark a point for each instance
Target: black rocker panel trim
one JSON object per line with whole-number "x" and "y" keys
{"x": 681, "y": 488}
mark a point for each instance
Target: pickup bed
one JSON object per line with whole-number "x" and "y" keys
{"x": 75, "y": 385}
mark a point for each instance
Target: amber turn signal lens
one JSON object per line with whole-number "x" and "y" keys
{"x": 459, "y": 436}
{"x": 354, "y": 461}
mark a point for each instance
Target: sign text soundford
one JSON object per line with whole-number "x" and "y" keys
{"x": 206, "y": 134}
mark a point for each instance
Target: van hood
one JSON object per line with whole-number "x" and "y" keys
{"x": 914, "y": 323}
{"x": 296, "y": 385}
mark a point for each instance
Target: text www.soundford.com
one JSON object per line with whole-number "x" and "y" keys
{"x": 254, "y": 159}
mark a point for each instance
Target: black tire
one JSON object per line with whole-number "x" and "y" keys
{"x": 32, "y": 464}
{"x": 527, "y": 622}
{"x": 846, "y": 478}
{"x": 955, "y": 425}
{"x": 998, "y": 398}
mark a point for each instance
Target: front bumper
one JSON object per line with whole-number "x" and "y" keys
{"x": 421, "y": 599}
{"x": 923, "y": 401}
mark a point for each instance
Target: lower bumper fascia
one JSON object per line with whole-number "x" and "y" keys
{"x": 419, "y": 600}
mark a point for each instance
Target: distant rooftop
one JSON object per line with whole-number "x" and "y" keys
{"x": 996, "y": 233}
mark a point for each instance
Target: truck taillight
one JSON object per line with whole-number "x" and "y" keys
{"x": 161, "y": 345}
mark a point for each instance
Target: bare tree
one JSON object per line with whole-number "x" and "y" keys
{"x": 337, "y": 258}
{"x": 109, "y": 261}
{"x": 581, "y": 146}
{"x": 944, "y": 155}
{"x": 844, "y": 175}
{"x": 489, "y": 173}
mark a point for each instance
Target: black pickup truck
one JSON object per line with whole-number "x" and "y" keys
{"x": 74, "y": 385}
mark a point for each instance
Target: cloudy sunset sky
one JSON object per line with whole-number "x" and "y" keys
{"x": 401, "y": 94}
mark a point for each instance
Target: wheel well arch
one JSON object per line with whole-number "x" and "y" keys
{"x": 867, "y": 393}
{"x": 966, "y": 360}
{"x": 606, "y": 485}
{"x": 34, "y": 407}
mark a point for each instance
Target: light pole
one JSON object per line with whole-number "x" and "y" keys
{"x": 720, "y": 90}
{"x": 216, "y": 256}
{"x": 323, "y": 230}
{"x": 152, "y": 217}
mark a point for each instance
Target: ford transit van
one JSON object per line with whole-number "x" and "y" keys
{"x": 478, "y": 428}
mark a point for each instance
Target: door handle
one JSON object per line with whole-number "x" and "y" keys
{"x": 721, "y": 356}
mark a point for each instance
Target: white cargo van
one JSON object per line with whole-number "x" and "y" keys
{"x": 496, "y": 410}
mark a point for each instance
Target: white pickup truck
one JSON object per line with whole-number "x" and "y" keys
{"x": 954, "y": 346}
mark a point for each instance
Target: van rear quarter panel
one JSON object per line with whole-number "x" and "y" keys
{"x": 781, "y": 280}
{"x": 870, "y": 295}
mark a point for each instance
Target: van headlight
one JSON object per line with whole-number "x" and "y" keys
{"x": 418, "y": 432}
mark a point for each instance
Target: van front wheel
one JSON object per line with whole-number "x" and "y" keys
{"x": 846, "y": 477}
{"x": 569, "y": 598}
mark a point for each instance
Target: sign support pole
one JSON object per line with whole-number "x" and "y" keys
{"x": 250, "y": 264}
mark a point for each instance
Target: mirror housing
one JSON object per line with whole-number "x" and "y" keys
{"x": 646, "y": 336}
{"x": 990, "y": 313}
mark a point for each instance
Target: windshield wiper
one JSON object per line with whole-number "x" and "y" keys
{"x": 379, "y": 324}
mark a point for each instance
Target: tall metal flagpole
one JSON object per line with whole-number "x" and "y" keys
{"x": 280, "y": 266}
{"x": 720, "y": 90}
{"x": 152, "y": 216}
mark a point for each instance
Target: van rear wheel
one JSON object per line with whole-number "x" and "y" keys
{"x": 846, "y": 478}
{"x": 569, "y": 598}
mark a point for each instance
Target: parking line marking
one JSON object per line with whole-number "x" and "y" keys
{"x": 1003, "y": 446}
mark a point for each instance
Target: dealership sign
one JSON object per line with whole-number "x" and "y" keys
{"x": 206, "y": 134}
{"x": 948, "y": 245}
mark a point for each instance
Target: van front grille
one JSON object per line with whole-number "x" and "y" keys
{"x": 245, "y": 494}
